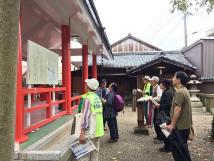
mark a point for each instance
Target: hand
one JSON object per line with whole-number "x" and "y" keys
{"x": 104, "y": 101}
{"x": 149, "y": 98}
{"x": 170, "y": 127}
{"x": 82, "y": 138}
{"x": 139, "y": 90}
{"x": 157, "y": 106}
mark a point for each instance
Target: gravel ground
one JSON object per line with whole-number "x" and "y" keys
{"x": 133, "y": 147}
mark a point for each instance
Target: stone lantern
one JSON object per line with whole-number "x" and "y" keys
{"x": 195, "y": 101}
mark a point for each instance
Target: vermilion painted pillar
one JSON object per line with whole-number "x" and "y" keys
{"x": 66, "y": 66}
{"x": 94, "y": 67}
{"x": 19, "y": 133}
{"x": 84, "y": 66}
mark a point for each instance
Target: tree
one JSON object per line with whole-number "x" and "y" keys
{"x": 9, "y": 11}
{"x": 184, "y": 5}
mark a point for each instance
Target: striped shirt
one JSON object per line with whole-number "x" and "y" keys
{"x": 86, "y": 112}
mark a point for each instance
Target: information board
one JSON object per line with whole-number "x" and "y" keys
{"x": 42, "y": 65}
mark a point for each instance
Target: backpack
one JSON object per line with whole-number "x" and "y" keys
{"x": 118, "y": 103}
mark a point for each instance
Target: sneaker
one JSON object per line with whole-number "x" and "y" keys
{"x": 165, "y": 150}
{"x": 158, "y": 141}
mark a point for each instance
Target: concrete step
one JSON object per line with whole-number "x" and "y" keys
{"x": 199, "y": 111}
{"x": 52, "y": 147}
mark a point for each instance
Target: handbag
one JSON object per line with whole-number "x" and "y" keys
{"x": 191, "y": 133}
{"x": 76, "y": 126}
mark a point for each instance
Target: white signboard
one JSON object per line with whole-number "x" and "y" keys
{"x": 42, "y": 65}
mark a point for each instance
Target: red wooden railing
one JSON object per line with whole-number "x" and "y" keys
{"x": 47, "y": 105}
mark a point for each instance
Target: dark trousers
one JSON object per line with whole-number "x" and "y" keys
{"x": 159, "y": 133}
{"x": 113, "y": 128}
{"x": 167, "y": 145}
{"x": 179, "y": 146}
{"x": 104, "y": 122}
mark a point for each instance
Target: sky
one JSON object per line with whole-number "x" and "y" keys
{"x": 152, "y": 21}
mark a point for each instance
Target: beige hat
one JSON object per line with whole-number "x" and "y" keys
{"x": 147, "y": 77}
{"x": 155, "y": 78}
{"x": 92, "y": 83}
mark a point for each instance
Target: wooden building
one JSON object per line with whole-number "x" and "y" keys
{"x": 132, "y": 44}
{"x": 201, "y": 54}
{"x": 133, "y": 59}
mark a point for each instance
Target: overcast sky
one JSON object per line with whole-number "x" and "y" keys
{"x": 151, "y": 21}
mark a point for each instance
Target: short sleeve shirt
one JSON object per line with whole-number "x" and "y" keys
{"x": 182, "y": 99}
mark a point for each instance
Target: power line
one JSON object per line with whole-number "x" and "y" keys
{"x": 185, "y": 29}
{"x": 181, "y": 37}
{"x": 162, "y": 24}
{"x": 171, "y": 31}
{"x": 161, "y": 15}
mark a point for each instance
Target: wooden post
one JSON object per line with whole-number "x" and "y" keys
{"x": 9, "y": 13}
{"x": 84, "y": 66}
{"x": 134, "y": 100}
{"x": 66, "y": 66}
{"x": 94, "y": 67}
{"x": 19, "y": 133}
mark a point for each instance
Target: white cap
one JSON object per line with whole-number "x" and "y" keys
{"x": 92, "y": 83}
{"x": 155, "y": 78}
{"x": 147, "y": 77}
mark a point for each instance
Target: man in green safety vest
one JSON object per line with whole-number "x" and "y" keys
{"x": 142, "y": 108}
{"x": 92, "y": 118}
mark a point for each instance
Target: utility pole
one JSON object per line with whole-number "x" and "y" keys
{"x": 185, "y": 28}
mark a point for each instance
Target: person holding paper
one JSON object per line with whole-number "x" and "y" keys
{"x": 164, "y": 109}
{"x": 181, "y": 118}
{"x": 156, "y": 95}
{"x": 92, "y": 118}
{"x": 142, "y": 108}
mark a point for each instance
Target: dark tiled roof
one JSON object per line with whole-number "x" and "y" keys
{"x": 207, "y": 78}
{"x": 135, "y": 59}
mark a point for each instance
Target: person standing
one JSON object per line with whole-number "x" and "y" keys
{"x": 156, "y": 94}
{"x": 181, "y": 118}
{"x": 110, "y": 113}
{"x": 164, "y": 110}
{"x": 92, "y": 118}
{"x": 102, "y": 90}
{"x": 143, "y": 107}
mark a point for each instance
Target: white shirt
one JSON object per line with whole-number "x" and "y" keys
{"x": 159, "y": 93}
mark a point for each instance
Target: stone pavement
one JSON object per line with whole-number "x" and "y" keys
{"x": 141, "y": 148}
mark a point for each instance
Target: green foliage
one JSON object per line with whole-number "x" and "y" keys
{"x": 184, "y": 5}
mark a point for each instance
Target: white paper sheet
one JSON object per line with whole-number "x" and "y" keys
{"x": 164, "y": 130}
{"x": 80, "y": 150}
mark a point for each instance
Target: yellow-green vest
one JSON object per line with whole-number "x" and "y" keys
{"x": 81, "y": 102}
{"x": 146, "y": 89}
{"x": 97, "y": 111}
